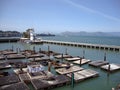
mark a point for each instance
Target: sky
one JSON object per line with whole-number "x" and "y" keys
{"x": 55, "y": 16}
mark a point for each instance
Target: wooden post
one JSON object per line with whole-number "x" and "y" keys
{"x": 109, "y": 67}
{"x": 104, "y": 56}
{"x": 12, "y": 47}
{"x": 80, "y": 61}
{"x": 34, "y": 49}
{"x": 34, "y": 59}
{"x": 72, "y": 81}
{"x": 48, "y": 48}
{"x": 39, "y": 50}
{"x": 17, "y": 50}
{"x": 62, "y": 56}
{"x": 66, "y": 51}
{"x": 49, "y": 66}
{"x": 6, "y": 57}
{"x": 83, "y": 54}
{"x": 49, "y": 51}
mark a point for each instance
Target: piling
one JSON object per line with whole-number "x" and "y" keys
{"x": 49, "y": 66}
{"x": 80, "y": 61}
{"x": 83, "y": 54}
{"x": 66, "y": 53}
{"x": 105, "y": 57}
{"x": 72, "y": 81}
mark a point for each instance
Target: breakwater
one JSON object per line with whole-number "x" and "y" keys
{"x": 84, "y": 45}
{"x": 75, "y": 44}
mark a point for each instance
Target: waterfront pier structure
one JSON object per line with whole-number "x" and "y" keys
{"x": 84, "y": 45}
{"x": 75, "y": 44}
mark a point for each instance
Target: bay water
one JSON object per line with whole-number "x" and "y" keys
{"x": 105, "y": 81}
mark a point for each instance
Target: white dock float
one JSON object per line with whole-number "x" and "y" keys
{"x": 62, "y": 56}
{"x": 111, "y": 67}
{"x": 98, "y": 63}
{"x": 84, "y": 74}
{"x": 83, "y": 61}
{"x": 66, "y": 71}
{"x": 72, "y": 58}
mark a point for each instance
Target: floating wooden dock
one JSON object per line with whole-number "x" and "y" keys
{"x": 7, "y": 52}
{"x": 49, "y": 83}
{"x": 34, "y": 55}
{"x": 84, "y": 45}
{"x": 69, "y": 70}
{"x": 40, "y": 75}
{"x": 5, "y": 65}
{"x": 6, "y": 80}
{"x": 111, "y": 67}
{"x": 72, "y": 58}
{"x": 15, "y": 56}
{"x": 39, "y": 59}
{"x": 84, "y": 74}
{"x": 16, "y": 86}
{"x": 62, "y": 56}
{"x": 98, "y": 63}
{"x": 61, "y": 65}
{"x": 24, "y": 77}
{"x": 82, "y": 61}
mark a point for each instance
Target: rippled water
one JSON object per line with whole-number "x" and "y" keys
{"x": 105, "y": 81}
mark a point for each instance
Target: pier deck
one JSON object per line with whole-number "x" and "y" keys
{"x": 85, "y": 45}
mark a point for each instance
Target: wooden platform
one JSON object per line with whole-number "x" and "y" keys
{"x": 66, "y": 71}
{"x": 98, "y": 63}
{"x": 17, "y": 71}
{"x": 62, "y": 56}
{"x": 39, "y": 59}
{"x": 84, "y": 74}
{"x": 5, "y": 65}
{"x": 49, "y": 83}
{"x": 72, "y": 58}
{"x": 111, "y": 67}
{"x": 61, "y": 65}
{"x": 15, "y": 56}
{"x": 40, "y": 75}
{"x": 34, "y": 55}
{"x": 16, "y": 86}
{"x": 2, "y": 57}
{"x": 83, "y": 61}
{"x": 24, "y": 77}
{"x": 7, "y": 52}
{"x": 6, "y": 80}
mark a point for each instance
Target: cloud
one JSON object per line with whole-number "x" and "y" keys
{"x": 92, "y": 11}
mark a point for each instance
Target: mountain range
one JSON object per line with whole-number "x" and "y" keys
{"x": 83, "y": 33}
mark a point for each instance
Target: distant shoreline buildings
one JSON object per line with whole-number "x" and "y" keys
{"x": 19, "y": 34}
{"x": 10, "y": 34}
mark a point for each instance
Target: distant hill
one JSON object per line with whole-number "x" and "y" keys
{"x": 43, "y": 34}
{"x": 83, "y": 33}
